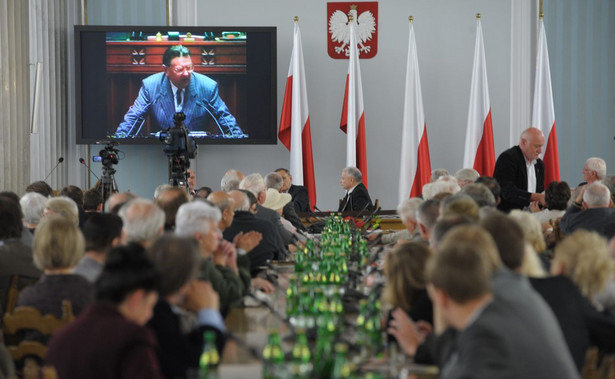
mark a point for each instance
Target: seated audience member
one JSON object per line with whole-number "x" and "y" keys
{"x": 143, "y": 221}
{"x": 161, "y": 188}
{"x": 169, "y": 200}
{"x": 26, "y": 235}
{"x": 75, "y": 193}
{"x": 269, "y": 248}
{"x": 466, "y": 176}
{"x": 15, "y": 257}
{"x": 117, "y": 200}
{"x": 609, "y": 182}
{"x": 109, "y": 339}
{"x": 489, "y": 335}
{"x": 58, "y": 247}
{"x": 191, "y": 182}
{"x": 594, "y": 170}
{"x": 277, "y": 202}
{"x": 591, "y": 211}
{"x": 202, "y": 192}
{"x": 532, "y": 233}
{"x": 301, "y": 200}
{"x": 356, "y": 198}
{"x": 177, "y": 261}
{"x": 40, "y": 187}
{"x": 605, "y": 300}
{"x": 32, "y": 205}
{"x": 256, "y": 184}
{"x": 557, "y": 195}
{"x": 444, "y": 225}
{"x": 275, "y": 182}
{"x": 407, "y": 213}
{"x": 406, "y": 289}
{"x": 437, "y": 173}
{"x": 580, "y": 268}
{"x": 218, "y": 263}
{"x": 493, "y": 186}
{"x": 62, "y": 206}
{"x": 426, "y": 216}
{"x": 521, "y": 173}
{"x": 459, "y": 206}
{"x": 230, "y": 181}
{"x": 92, "y": 201}
{"x": 102, "y": 232}
{"x": 481, "y": 195}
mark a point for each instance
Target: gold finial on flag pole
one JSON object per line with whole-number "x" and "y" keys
{"x": 296, "y": 18}
{"x": 350, "y": 17}
{"x": 540, "y": 12}
{"x": 478, "y": 16}
{"x": 411, "y": 19}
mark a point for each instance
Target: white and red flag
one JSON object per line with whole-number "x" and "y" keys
{"x": 415, "y": 165}
{"x": 353, "y": 116}
{"x": 295, "y": 131}
{"x": 479, "y": 151}
{"x": 543, "y": 113}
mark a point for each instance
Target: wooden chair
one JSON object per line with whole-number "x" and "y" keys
{"x": 27, "y": 318}
{"x": 598, "y": 365}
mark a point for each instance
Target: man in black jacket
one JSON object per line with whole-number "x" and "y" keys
{"x": 301, "y": 200}
{"x": 357, "y": 198}
{"x": 521, "y": 173}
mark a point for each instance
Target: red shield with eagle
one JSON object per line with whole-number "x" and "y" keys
{"x": 365, "y": 15}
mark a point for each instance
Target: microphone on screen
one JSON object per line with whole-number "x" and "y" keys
{"x": 60, "y": 160}
{"x": 82, "y": 161}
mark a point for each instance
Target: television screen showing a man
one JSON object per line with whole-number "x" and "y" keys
{"x": 179, "y": 89}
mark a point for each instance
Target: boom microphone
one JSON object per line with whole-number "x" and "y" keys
{"x": 82, "y": 161}
{"x": 60, "y": 160}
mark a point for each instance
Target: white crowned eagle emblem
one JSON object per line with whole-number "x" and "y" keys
{"x": 340, "y": 29}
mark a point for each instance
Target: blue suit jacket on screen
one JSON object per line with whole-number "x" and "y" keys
{"x": 201, "y": 101}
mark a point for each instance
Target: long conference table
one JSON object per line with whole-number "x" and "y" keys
{"x": 251, "y": 324}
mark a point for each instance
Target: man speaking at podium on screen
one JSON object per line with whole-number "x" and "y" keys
{"x": 178, "y": 89}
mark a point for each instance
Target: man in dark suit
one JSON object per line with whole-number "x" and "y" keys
{"x": 357, "y": 198}
{"x": 591, "y": 211}
{"x": 301, "y": 201}
{"x": 521, "y": 173}
{"x": 178, "y": 89}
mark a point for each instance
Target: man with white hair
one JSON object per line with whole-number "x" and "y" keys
{"x": 199, "y": 220}
{"x": 407, "y": 213}
{"x": 143, "y": 222}
{"x": 591, "y": 211}
{"x": 256, "y": 184}
{"x": 437, "y": 173}
{"x": 230, "y": 181}
{"x": 117, "y": 200}
{"x": 275, "y": 181}
{"x": 357, "y": 198}
{"x": 32, "y": 206}
{"x": 594, "y": 170}
{"x": 466, "y": 176}
{"x": 301, "y": 200}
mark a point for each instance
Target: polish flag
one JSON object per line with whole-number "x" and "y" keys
{"x": 543, "y": 115}
{"x": 353, "y": 117}
{"x": 295, "y": 122}
{"x": 415, "y": 166}
{"x": 479, "y": 151}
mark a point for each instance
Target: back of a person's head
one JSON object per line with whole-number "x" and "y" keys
{"x": 597, "y": 195}
{"x": 58, "y": 244}
{"x": 192, "y": 218}
{"x": 126, "y": 270}
{"x": 274, "y": 180}
{"x": 41, "y": 187}
{"x": 10, "y": 219}
{"x": 408, "y": 207}
{"x": 161, "y": 188}
{"x": 467, "y": 175}
{"x": 446, "y": 184}
{"x": 253, "y": 183}
{"x": 116, "y": 201}
{"x": 557, "y": 195}
{"x": 99, "y": 231}
{"x": 252, "y": 200}
{"x": 11, "y": 195}
{"x": 33, "y": 206}
{"x": 598, "y": 165}
{"x": 532, "y": 230}
{"x": 447, "y": 223}
{"x": 222, "y": 200}
{"x": 586, "y": 261}
{"x": 609, "y": 182}
{"x": 176, "y": 259}
{"x": 437, "y": 173}
{"x": 508, "y": 238}
{"x": 492, "y": 184}
{"x": 74, "y": 193}
{"x": 464, "y": 263}
{"x": 230, "y": 181}
{"x": 460, "y": 205}
{"x": 405, "y": 271}
{"x": 91, "y": 200}
{"x": 142, "y": 219}
{"x": 241, "y": 200}
{"x": 480, "y": 194}
{"x": 169, "y": 200}
{"x": 65, "y": 207}
{"x": 428, "y": 212}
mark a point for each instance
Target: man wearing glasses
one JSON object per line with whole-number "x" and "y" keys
{"x": 178, "y": 89}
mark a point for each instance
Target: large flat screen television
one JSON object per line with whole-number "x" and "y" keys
{"x": 131, "y": 80}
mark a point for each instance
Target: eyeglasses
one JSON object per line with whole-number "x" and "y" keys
{"x": 181, "y": 69}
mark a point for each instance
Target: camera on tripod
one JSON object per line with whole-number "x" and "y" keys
{"x": 108, "y": 156}
{"x": 179, "y": 147}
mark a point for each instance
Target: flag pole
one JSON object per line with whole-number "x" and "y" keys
{"x": 540, "y": 12}
{"x": 411, "y": 19}
{"x": 296, "y": 19}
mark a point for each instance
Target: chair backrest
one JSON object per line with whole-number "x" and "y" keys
{"x": 27, "y": 318}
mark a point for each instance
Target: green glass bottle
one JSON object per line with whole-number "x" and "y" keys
{"x": 208, "y": 364}
{"x": 301, "y": 356}
{"x": 273, "y": 356}
{"x": 341, "y": 366}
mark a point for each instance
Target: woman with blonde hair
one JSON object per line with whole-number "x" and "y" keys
{"x": 62, "y": 206}
{"x": 58, "y": 246}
